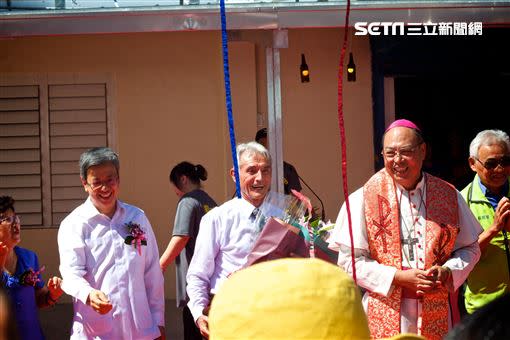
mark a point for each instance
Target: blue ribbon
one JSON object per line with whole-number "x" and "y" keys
{"x": 228, "y": 96}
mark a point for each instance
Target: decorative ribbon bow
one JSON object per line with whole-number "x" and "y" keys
{"x": 136, "y": 237}
{"x": 30, "y": 277}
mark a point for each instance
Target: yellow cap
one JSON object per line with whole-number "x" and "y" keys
{"x": 288, "y": 299}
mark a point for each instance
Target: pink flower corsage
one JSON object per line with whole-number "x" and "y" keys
{"x": 136, "y": 236}
{"x": 30, "y": 277}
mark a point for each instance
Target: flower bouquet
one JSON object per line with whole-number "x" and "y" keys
{"x": 318, "y": 232}
{"x": 281, "y": 235}
{"x": 287, "y": 232}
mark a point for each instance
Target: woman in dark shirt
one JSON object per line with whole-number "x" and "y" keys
{"x": 193, "y": 204}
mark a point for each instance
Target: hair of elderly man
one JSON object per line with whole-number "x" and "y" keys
{"x": 252, "y": 148}
{"x": 97, "y": 156}
{"x": 488, "y": 137}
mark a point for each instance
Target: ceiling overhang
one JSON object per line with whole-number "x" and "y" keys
{"x": 265, "y": 16}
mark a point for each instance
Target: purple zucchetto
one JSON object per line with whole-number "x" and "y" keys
{"x": 403, "y": 123}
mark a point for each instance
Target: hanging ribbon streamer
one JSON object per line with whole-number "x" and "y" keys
{"x": 228, "y": 95}
{"x": 343, "y": 143}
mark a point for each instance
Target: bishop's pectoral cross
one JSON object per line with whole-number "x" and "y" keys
{"x": 410, "y": 242}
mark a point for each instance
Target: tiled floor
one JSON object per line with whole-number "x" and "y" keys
{"x": 56, "y": 321}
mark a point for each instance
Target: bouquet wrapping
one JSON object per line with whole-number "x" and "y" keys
{"x": 322, "y": 250}
{"x": 287, "y": 232}
{"x": 278, "y": 239}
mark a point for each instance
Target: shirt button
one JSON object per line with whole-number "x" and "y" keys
{"x": 414, "y": 205}
{"x": 419, "y": 246}
{"x": 421, "y": 260}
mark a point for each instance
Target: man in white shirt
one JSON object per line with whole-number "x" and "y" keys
{"x": 109, "y": 260}
{"x": 414, "y": 239}
{"x": 228, "y": 232}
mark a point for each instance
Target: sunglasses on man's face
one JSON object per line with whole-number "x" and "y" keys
{"x": 492, "y": 163}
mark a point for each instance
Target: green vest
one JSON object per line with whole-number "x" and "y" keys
{"x": 489, "y": 278}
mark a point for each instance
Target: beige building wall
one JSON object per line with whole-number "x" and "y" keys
{"x": 169, "y": 106}
{"x": 311, "y": 135}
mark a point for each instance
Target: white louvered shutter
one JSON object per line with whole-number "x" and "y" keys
{"x": 78, "y": 121}
{"x": 20, "y": 151}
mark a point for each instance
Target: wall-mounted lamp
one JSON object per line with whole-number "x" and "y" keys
{"x": 303, "y": 70}
{"x": 351, "y": 69}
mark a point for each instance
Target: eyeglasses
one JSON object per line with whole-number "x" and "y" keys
{"x": 492, "y": 163}
{"x": 11, "y": 220}
{"x": 406, "y": 152}
{"x": 108, "y": 183}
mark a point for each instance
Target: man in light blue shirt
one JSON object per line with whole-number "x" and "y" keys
{"x": 228, "y": 232}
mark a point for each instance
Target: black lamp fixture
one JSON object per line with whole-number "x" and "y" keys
{"x": 351, "y": 69}
{"x": 303, "y": 70}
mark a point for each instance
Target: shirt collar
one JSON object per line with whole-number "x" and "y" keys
{"x": 90, "y": 211}
{"x": 482, "y": 187}
{"x": 245, "y": 207}
{"x": 493, "y": 198}
{"x": 485, "y": 190}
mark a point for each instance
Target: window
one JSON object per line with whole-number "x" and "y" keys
{"x": 45, "y": 125}
{"x": 20, "y": 157}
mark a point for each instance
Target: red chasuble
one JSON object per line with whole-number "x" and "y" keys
{"x": 384, "y": 235}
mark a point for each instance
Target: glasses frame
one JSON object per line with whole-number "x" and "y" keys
{"x": 412, "y": 149}
{"x": 109, "y": 183}
{"x": 13, "y": 219}
{"x": 497, "y": 162}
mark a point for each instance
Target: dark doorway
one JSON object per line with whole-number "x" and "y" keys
{"x": 451, "y": 112}
{"x": 452, "y": 87}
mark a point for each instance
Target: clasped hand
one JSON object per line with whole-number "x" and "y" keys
{"x": 423, "y": 281}
{"x": 501, "y": 215}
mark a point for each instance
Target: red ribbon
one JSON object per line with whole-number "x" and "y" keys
{"x": 138, "y": 242}
{"x": 341, "y": 125}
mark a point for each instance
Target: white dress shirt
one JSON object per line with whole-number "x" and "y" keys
{"x": 378, "y": 278}
{"x": 93, "y": 255}
{"x": 224, "y": 241}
